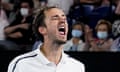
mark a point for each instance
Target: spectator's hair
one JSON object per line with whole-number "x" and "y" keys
{"x": 30, "y": 2}
{"x": 104, "y": 22}
{"x": 39, "y": 21}
{"x": 78, "y": 23}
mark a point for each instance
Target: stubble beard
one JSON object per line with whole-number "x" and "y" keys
{"x": 59, "y": 42}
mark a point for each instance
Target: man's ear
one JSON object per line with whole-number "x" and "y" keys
{"x": 42, "y": 30}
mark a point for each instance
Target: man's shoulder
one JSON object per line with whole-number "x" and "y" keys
{"x": 23, "y": 57}
{"x": 21, "y": 61}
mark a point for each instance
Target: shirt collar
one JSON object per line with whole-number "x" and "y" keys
{"x": 41, "y": 57}
{"x": 45, "y": 61}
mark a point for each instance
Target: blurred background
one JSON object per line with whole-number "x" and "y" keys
{"x": 93, "y": 37}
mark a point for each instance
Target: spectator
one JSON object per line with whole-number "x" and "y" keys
{"x": 75, "y": 43}
{"x": 19, "y": 31}
{"x": 38, "y": 4}
{"x": 116, "y": 33}
{"x": 4, "y": 45}
{"x": 104, "y": 42}
{"x": 3, "y": 23}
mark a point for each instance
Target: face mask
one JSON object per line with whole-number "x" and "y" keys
{"x": 102, "y": 35}
{"x": 24, "y": 11}
{"x": 76, "y": 33}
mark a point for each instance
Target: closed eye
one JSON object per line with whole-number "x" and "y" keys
{"x": 56, "y": 17}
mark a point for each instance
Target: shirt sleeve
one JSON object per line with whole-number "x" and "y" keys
{"x": 15, "y": 66}
{"x": 11, "y": 67}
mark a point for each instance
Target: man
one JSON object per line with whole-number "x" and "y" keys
{"x": 49, "y": 57}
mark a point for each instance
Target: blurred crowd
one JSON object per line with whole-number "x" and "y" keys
{"x": 94, "y": 25}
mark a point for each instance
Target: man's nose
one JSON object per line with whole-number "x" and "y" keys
{"x": 63, "y": 19}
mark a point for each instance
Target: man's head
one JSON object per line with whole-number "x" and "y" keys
{"x": 77, "y": 29}
{"x": 103, "y": 29}
{"x": 51, "y": 23}
{"x": 26, "y": 7}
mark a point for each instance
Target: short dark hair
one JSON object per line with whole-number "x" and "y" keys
{"x": 30, "y": 2}
{"x": 39, "y": 21}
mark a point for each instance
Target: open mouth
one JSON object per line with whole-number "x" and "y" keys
{"x": 61, "y": 30}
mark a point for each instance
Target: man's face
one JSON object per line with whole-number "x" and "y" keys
{"x": 56, "y": 25}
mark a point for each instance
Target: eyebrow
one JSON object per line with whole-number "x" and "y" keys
{"x": 57, "y": 15}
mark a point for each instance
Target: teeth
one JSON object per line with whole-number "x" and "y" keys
{"x": 62, "y": 30}
{"x": 61, "y": 27}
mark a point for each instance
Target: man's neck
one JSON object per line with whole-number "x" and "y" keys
{"x": 52, "y": 52}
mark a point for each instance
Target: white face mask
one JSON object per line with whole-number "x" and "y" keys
{"x": 24, "y": 11}
{"x": 76, "y": 33}
{"x": 102, "y": 35}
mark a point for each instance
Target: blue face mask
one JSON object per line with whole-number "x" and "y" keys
{"x": 76, "y": 33}
{"x": 102, "y": 35}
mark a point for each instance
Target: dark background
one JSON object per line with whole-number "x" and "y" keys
{"x": 94, "y": 61}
